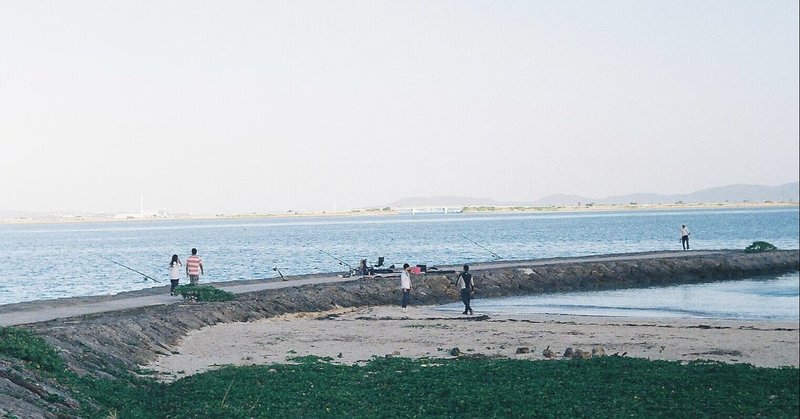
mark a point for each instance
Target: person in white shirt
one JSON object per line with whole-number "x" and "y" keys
{"x": 174, "y": 273}
{"x": 405, "y": 284}
{"x": 684, "y": 237}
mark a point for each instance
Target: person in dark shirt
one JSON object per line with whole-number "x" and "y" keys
{"x": 467, "y": 286}
{"x": 684, "y": 237}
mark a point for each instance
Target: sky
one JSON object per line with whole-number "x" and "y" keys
{"x": 267, "y": 106}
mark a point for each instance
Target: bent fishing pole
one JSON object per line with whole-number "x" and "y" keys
{"x": 496, "y": 256}
{"x": 130, "y": 269}
{"x": 341, "y": 262}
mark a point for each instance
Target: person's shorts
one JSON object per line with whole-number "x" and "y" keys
{"x": 193, "y": 279}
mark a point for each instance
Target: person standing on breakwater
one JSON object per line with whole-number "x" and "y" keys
{"x": 174, "y": 273}
{"x": 467, "y": 286}
{"x": 684, "y": 237}
{"x": 194, "y": 267}
{"x": 405, "y": 285}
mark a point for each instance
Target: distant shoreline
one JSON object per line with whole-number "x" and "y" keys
{"x": 477, "y": 209}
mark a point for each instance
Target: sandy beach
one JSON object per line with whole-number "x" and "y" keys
{"x": 352, "y": 336}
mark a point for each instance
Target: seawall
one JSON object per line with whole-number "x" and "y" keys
{"x": 112, "y": 343}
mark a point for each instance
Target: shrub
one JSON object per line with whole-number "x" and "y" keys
{"x": 757, "y": 247}
{"x": 203, "y": 293}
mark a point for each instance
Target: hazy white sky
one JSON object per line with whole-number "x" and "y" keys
{"x": 241, "y": 106}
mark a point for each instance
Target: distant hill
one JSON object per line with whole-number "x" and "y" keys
{"x": 789, "y": 192}
{"x": 753, "y": 193}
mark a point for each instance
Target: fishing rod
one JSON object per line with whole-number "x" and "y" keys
{"x": 130, "y": 269}
{"x": 341, "y": 262}
{"x": 482, "y": 247}
{"x": 275, "y": 268}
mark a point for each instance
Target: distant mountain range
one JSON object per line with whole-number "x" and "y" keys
{"x": 789, "y": 192}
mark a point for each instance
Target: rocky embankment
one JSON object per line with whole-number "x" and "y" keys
{"x": 113, "y": 343}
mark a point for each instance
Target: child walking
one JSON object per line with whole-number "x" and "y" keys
{"x": 174, "y": 273}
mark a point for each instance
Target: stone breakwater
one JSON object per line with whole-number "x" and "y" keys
{"x": 113, "y": 343}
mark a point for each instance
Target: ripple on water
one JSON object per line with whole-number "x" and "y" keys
{"x": 759, "y": 299}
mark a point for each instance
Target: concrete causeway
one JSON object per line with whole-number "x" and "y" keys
{"x": 46, "y": 310}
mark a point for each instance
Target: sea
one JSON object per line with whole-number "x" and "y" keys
{"x": 47, "y": 261}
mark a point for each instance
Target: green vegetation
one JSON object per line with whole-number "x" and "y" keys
{"x": 464, "y": 387}
{"x": 757, "y": 247}
{"x": 23, "y": 345}
{"x": 203, "y": 293}
{"x": 399, "y": 387}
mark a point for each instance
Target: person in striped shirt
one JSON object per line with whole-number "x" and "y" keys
{"x": 194, "y": 267}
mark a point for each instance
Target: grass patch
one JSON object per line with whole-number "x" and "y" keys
{"x": 203, "y": 293}
{"x": 399, "y": 387}
{"x": 35, "y": 351}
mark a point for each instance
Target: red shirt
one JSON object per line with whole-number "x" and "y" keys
{"x": 193, "y": 264}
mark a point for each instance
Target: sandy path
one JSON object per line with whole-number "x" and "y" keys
{"x": 352, "y": 336}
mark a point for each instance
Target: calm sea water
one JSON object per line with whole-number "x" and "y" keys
{"x": 46, "y": 261}
{"x": 764, "y": 299}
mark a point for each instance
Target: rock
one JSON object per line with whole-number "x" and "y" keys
{"x": 547, "y": 353}
{"x": 579, "y": 354}
{"x": 455, "y": 352}
{"x": 598, "y": 351}
{"x": 340, "y": 355}
{"x": 393, "y": 354}
{"x": 568, "y": 353}
{"x": 523, "y": 350}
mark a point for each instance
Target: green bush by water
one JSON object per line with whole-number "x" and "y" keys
{"x": 757, "y": 247}
{"x": 203, "y": 293}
